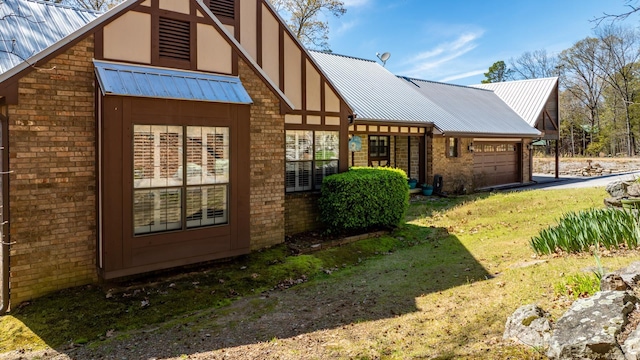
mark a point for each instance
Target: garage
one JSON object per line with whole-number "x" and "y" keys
{"x": 496, "y": 164}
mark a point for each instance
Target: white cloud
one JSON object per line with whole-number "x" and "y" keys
{"x": 346, "y": 26}
{"x": 463, "y": 75}
{"x": 427, "y": 63}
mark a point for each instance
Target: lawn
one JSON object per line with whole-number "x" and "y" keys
{"x": 441, "y": 287}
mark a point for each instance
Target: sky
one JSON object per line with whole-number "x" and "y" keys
{"x": 456, "y": 41}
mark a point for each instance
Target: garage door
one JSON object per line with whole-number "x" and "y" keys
{"x": 495, "y": 164}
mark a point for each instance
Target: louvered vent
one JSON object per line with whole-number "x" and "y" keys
{"x": 175, "y": 39}
{"x": 224, "y": 8}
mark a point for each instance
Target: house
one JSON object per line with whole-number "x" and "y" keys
{"x": 158, "y": 134}
{"x": 536, "y": 101}
{"x": 468, "y": 136}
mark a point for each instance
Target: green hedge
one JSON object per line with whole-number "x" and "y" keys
{"x": 363, "y": 198}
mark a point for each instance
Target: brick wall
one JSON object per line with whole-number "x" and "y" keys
{"x": 302, "y": 213}
{"x": 402, "y": 157}
{"x": 267, "y": 162}
{"x": 456, "y": 172}
{"x": 52, "y": 185}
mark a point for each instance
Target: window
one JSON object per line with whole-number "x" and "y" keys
{"x": 163, "y": 200}
{"x": 222, "y": 8}
{"x": 311, "y": 156}
{"x": 379, "y": 154}
{"x": 452, "y": 147}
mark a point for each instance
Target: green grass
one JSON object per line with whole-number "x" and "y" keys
{"x": 443, "y": 284}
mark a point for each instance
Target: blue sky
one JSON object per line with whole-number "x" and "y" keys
{"x": 457, "y": 40}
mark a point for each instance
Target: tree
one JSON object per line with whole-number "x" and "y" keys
{"x": 631, "y": 4}
{"x": 306, "y": 19}
{"x": 534, "y": 65}
{"x": 618, "y": 63}
{"x": 582, "y": 77}
{"x": 97, "y": 5}
{"x": 498, "y": 72}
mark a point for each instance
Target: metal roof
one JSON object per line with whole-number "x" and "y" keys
{"x": 42, "y": 53}
{"x": 526, "y": 97}
{"x": 30, "y": 26}
{"x": 146, "y": 81}
{"x": 475, "y": 110}
{"x": 376, "y": 94}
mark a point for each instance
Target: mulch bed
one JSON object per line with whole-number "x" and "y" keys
{"x": 310, "y": 241}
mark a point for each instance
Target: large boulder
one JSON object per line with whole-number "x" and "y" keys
{"x": 615, "y": 202}
{"x": 617, "y": 188}
{"x": 529, "y": 325}
{"x": 588, "y": 329}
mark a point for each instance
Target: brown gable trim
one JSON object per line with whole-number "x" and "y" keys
{"x": 9, "y": 92}
{"x": 285, "y": 31}
{"x": 208, "y": 19}
{"x": 242, "y": 55}
{"x": 71, "y": 43}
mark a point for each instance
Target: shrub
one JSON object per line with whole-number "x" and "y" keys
{"x": 363, "y": 198}
{"x": 578, "y": 232}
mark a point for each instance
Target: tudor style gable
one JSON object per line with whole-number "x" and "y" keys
{"x": 167, "y": 33}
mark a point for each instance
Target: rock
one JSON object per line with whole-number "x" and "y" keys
{"x": 631, "y": 346}
{"x": 588, "y": 329}
{"x": 634, "y": 189}
{"x": 613, "y": 281}
{"x": 613, "y": 202}
{"x": 631, "y": 274}
{"x": 529, "y": 325}
{"x": 617, "y": 188}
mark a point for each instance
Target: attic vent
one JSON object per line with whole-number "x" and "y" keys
{"x": 175, "y": 39}
{"x": 224, "y": 8}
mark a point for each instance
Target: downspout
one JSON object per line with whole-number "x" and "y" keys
{"x": 5, "y": 242}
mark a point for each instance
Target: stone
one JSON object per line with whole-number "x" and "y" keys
{"x": 630, "y": 274}
{"x": 588, "y": 329}
{"x": 529, "y": 325}
{"x": 613, "y": 281}
{"x": 631, "y": 346}
{"x": 634, "y": 190}
{"x": 617, "y": 188}
{"x": 613, "y": 202}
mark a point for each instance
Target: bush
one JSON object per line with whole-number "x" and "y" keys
{"x": 363, "y": 198}
{"x": 578, "y": 232}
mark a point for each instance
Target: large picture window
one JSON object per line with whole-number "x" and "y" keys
{"x": 311, "y": 156}
{"x": 169, "y": 195}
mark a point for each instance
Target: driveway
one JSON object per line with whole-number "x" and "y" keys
{"x": 549, "y": 182}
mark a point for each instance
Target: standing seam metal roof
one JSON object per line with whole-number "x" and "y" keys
{"x": 475, "y": 110}
{"x": 376, "y": 94}
{"x": 526, "y": 97}
{"x": 147, "y": 81}
{"x": 30, "y": 26}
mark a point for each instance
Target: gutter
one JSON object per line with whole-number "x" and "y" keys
{"x": 5, "y": 243}
{"x": 4, "y": 294}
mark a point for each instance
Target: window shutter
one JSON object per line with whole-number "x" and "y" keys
{"x": 224, "y": 8}
{"x": 175, "y": 39}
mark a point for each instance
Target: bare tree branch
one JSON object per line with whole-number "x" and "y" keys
{"x": 617, "y": 17}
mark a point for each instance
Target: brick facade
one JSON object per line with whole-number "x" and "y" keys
{"x": 402, "y": 158}
{"x": 302, "y": 212}
{"x": 456, "y": 172}
{"x": 267, "y": 162}
{"x": 52, "y": 185}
